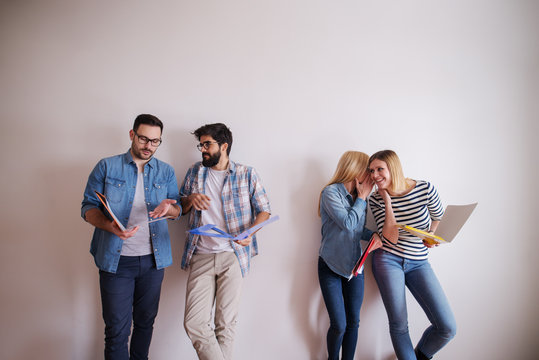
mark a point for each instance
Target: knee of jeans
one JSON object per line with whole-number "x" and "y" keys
{"x": 117, "y": 334}
{"x": 144, "y": 318}
{"x": 448, "y": 331}
{"x": 398, "y": 327}
{"x": 337, "y": 327}
{"x": 352, "y": 324}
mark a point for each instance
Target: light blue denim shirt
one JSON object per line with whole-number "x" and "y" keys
{"x": 343, "y": 226}
{"x": 116, "y": 178}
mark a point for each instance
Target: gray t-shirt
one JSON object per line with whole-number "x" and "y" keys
{"x": 139, "y": 244}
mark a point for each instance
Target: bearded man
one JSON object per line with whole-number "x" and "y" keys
{"x": 221, "y": 192}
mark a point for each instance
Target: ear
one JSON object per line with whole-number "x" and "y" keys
{"x": 224, "y": 147}
{"x": 131, "y": 134}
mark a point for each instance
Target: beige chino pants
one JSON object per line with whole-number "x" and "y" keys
{"x": 213, "y": 278}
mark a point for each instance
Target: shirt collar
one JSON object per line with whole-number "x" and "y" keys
{"x": 231, "y": 166}
{"x": 128, "y": 158}
{"x": 342, "y": 189}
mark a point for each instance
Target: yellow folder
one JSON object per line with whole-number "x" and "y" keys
{"x": 455, "y": 216}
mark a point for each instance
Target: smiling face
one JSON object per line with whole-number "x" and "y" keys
{"x": 380, "y": 174}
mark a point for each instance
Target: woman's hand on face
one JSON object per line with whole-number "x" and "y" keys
{"x": 385, "y": 195}
{"x": 364, "y": 188}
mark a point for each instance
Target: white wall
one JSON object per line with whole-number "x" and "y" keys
{"x": 452, "y": 86}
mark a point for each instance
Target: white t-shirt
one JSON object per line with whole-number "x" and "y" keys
{"x": 214, "y": 215}
{"x": 139, "y": 244}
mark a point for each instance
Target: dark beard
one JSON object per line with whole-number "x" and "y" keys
{"x": 212, "y": 160}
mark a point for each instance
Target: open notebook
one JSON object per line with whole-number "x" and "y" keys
{"x": 455, "y": 216}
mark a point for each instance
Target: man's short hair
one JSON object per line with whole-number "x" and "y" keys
{"x": 147, "y": 119}
{"x": 219, "y": 132}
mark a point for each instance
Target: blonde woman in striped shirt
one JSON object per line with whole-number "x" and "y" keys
{"x": 403, "y": 259}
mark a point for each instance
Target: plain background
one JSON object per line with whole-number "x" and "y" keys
{"x": 451, "y": 86}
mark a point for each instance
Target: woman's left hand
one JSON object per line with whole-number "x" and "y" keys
{"x": 364, "y": 189}
{"x": 430, "y": 245}
{"x": 377, "y": 242}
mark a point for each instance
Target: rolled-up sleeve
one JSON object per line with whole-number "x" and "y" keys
{"x": 95, "y": 183}
{"x": 259, "y": 197}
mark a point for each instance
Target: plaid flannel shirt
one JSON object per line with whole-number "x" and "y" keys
{"x": 243, "y": 198}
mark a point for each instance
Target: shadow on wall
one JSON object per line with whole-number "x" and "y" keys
{"x": 67, "y": 323}
{"x": 310, "y": 316}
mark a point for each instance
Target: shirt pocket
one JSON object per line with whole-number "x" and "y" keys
{"x": 159, "y": 192}
{"x": 242, "y": 196}
{"x": 114, "y": 189}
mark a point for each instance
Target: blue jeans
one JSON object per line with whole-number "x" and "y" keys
{"x": 343, "y": 300}
{"x": 393, "y": 273}
{"x": 131, "y": 295}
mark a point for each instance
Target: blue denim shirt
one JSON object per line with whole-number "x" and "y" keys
{"x": 343, "y": 225}
{"x": 116, "y": 178}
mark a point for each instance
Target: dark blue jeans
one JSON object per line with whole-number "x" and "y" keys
{"x": 130, "y": 296}
{"x": 343, "y": 300}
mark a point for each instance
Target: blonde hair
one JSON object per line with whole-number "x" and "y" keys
{"x": 398, "y": 181}
{"x": 352, "y": 164}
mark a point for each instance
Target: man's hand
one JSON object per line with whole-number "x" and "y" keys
{"x": 162, "y": 209}
{"x": 198, "y": 201}
{"x": 245, "y": 241}
{"x": 124, "y": 235}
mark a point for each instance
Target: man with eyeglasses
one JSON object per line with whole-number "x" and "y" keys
{"x": 131, "y": 261}
{"x": 230, "y": 195}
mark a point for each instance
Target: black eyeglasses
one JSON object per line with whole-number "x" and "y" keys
{"x": 143, "y": 140}
{"x": 206, "y": 145}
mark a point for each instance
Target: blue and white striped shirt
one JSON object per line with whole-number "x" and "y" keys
{"x": 417, "y": 208}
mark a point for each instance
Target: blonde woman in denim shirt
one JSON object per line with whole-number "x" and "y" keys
{"x": 343, "y": 208}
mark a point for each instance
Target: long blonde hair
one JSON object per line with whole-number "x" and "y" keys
{"x": 398, "y": 181}
{"x": 352, "y": 164}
